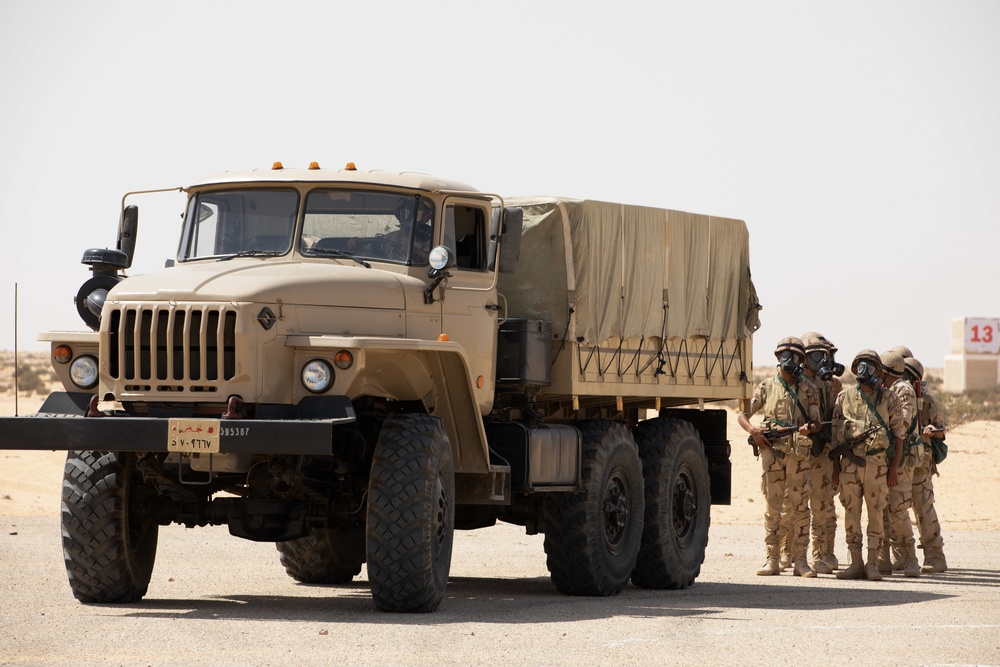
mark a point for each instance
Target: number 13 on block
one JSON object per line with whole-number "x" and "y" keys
{"x": 982, "y": 335}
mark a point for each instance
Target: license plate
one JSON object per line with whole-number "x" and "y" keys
{"x": 193, "y": 435}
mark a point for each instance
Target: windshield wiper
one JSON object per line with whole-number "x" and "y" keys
{"x": 335, "y": 252}
{"x": 253, "y": 253}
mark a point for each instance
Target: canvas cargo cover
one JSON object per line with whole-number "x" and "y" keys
{"x": 600, "y": 270}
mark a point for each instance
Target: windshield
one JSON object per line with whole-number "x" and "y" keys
{"x": 239, "y": 222}
{"x": 368, "y": 225}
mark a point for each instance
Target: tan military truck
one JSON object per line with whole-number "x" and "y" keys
{"x": 354, "y": 364}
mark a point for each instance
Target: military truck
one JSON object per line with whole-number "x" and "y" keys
{"x": 354, "y": 364}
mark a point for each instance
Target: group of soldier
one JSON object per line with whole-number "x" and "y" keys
{"x": 876, "y": 443}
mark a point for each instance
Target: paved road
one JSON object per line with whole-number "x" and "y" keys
{"x": 217, "y": 600}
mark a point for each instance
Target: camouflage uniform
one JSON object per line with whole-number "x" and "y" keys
{"x": 900, "y": 531}
{"x": 867, "y": 484}
{"x": 821, "y": 501}
{"x": 924, "y": 470}
{"x": 788, "y": 475}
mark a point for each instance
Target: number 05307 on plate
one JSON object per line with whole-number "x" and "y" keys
{"x": 193, "y": 435}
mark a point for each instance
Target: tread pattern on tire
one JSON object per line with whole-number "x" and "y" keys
{"x": 576, "y": 554}
{"x": 664, "y": 443}
{"x": 102, "y": 564}
{"x": 408, "y": 564}
{"x": 326, "y": 556}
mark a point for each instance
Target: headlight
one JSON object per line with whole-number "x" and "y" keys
{"x": 83, "y": 372}
{"x": 317, "y": 376}
{"x": 440, "y": 258}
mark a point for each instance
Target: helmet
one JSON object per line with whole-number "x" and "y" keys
{"x": 902, "y": 351}
{"x": 914, "y": 369}
{"x": 868, "y": 368}
{"x": 833, "y": 348}
{"x": 790, "y": 354}
{"x": 790, "y": 344}
{"x": 870, "y": 356}
{"x": 893, "y": 363}
{"x": 818, "y": 355}
{"x": 814, "y": 341}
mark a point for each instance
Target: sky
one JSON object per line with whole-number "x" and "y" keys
{"x": 859, "y": 140}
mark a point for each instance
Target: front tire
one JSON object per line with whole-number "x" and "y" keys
{"x": 411, "y": 514}
{"x": 109, "y": 527}
{"x": 592, "y": 536}
{"x": 678, "y": 504}
{"x": 325, "y": 556}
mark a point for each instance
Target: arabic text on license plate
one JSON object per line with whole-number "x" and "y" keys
{"x": 193, "y": 435}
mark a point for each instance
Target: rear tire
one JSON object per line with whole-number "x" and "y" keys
{"x": 411, "y": 514}
{"x": 592, "y": 537}
{"x": 325, "y": 556}
{"x": 109, "y": 527}
{"x": 678, "y": 504}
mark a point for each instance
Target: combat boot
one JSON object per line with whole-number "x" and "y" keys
{"x": 898, "y": 558}
{"x": 884, "y": 563}
{"x": 911, "y": 568}
{"x": 856, "y": 570}
{"x": 934, "y": 560}
{"x": 871, "y": 567}
{"x": 828, "y": 556}
{"x": 786, "y": 551}
{"x": 820, "y": 565}
{"x": 801, "y": 567}
{"x": 771, "y": 567}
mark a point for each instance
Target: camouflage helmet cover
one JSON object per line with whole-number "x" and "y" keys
{"x": 792, "y": 344}
{"x": 814, "y": 341}
{"x": 902, "y": 351}
{"x": 893, "y": 363}
{"x": 914, "y": 369}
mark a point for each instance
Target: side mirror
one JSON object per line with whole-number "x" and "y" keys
{"x": 512, "y": 221}
{"x": 127, "y": 229}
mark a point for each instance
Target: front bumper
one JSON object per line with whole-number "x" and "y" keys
{"x": 64, "y": 431}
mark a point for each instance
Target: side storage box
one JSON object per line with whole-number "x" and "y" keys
{"x": 524, "y": 352}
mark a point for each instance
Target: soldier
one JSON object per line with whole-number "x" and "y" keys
{"x": 787, "y": 401}
{"x": 819, "y": 370}
{"x": 897, "y": 514}
{"x": 867, "y": 424}
{"x": 930, "y": 423}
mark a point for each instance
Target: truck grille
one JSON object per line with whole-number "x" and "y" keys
{"x": 172, "y": 344}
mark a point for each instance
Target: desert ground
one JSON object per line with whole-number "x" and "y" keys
{"x": 215, "y": 600}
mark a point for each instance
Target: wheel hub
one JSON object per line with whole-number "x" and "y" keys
{"x": 616, "y": 511}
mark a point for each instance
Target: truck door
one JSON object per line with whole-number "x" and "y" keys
{"x": 469, "y": 309}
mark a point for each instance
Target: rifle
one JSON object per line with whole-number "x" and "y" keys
{"x": 773, "y": 434}
{"x": 845, "y": 449}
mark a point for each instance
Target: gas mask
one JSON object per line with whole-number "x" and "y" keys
{"x": 867, "y": 373}
{"x": 838, "y": 369}
{"x": 820, "y": 364}
{"x": 788, "y": 363}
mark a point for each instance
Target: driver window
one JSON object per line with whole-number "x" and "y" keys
{"x": 465, "y": 232}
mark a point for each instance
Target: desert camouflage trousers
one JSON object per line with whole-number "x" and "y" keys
{"x": 900, "y": 528}
{"x": 821, "y": 503}
{"x": 923, "y": 507}
{"x": 785, "y": 480}
{"x": 866, "y": 486}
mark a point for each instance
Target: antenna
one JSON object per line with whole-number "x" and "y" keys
{"x": 16, "y": 365}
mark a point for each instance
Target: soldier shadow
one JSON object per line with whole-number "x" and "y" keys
{"x": 530, "y": 601}
{"x": 965, "y": 577}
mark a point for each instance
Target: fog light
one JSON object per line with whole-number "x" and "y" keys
{"x": 62, "y": 354}
{"x": 317, "y": 376}
{"x": 83, "y": 372}
{"x": 344, "y": 360}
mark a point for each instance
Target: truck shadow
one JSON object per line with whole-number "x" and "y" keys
{"x": 534, "y": 601}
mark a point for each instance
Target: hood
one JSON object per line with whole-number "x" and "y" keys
{"x": 254, "y": 280}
